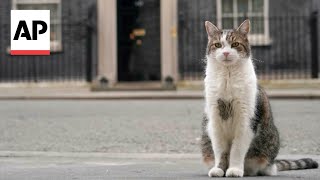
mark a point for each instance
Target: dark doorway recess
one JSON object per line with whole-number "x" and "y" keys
{"x": 138, "y": 40}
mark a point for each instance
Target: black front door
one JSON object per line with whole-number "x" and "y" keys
{"x": 138, "y": 40}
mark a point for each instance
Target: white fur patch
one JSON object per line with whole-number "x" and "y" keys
{"x": 234, "y": 172}
{"x": 236, "y": 82}
{"x": 224, "y": 39}
{"x": 215, "y": 172}
{"x": 271, "y": 170}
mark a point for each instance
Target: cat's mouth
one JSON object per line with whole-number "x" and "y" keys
{"x": 227, "y": 60}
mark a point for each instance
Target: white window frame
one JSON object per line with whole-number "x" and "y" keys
{"x": 55, "y": 45}
{"x": 255, "y": 39}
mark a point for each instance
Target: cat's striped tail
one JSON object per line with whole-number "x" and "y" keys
{"x": 285, "y": 165}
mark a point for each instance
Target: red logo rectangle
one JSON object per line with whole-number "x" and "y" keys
{"x": 30, "y": 52}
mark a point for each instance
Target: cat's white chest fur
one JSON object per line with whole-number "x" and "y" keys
{"x": 230, "y": 94}
{"x": 234, "y": 84}
{"x": 230, "y": 133}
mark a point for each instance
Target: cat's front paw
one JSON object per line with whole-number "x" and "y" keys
{"x": 215, "y": 172}
{"x": 234, "y": 172}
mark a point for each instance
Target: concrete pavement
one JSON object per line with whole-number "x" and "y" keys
{"x": 124, "y": 166}
{"x": 130, "y": 139}
{"x": 131, "y": 126}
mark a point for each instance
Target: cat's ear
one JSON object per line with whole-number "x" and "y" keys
{"x": 212, "y": 30}
{"x": 244, "y": 28}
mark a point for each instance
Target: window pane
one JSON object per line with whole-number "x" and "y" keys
{"x": 243, "y": 6}
{"x": 52, "y": 7}
{"x": 55, "y": 26}
{"x": 257, "y": 25}
{"x": 227, "y": 6}
{"x": 257, "y": 5}
{"x": 227, "y": 23}
{"x": 54, "y": 32}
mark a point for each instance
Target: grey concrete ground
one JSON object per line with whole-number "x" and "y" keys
{"x": 47, "y": 168}
{"x": 130, "y": 126}
{"x": 162, "y": 126}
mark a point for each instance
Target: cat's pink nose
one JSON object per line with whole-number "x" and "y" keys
{"x": 226, "y": 54}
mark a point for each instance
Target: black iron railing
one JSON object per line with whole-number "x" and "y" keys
{"x": 285, "y": 46}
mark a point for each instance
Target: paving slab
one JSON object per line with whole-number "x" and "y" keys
{"x": 137, "y": 126}
{"x": 142, "y": 166}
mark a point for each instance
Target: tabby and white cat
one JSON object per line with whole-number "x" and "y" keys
{"x": 239, "y": 136}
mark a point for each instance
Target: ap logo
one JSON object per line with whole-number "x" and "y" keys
{"x": 30, "y": 32}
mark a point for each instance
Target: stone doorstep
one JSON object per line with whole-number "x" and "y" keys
{"x": 133, "y": 86}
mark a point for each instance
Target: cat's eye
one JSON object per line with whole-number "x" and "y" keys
{"x": 218, "y": 45}
{"x": 235, "y": 44}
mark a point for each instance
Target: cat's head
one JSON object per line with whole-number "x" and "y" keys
{"x": 228, "y": 47}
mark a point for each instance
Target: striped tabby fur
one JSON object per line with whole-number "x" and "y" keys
{"x": 305, "y": 163}
{"x": 239, "y": 137}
